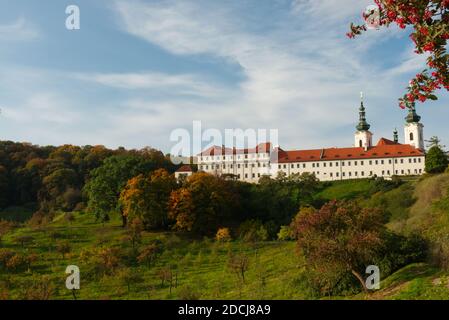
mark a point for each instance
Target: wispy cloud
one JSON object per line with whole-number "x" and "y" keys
{"x": 19, "y": 30}
{"x": 182, "y": 84}
{"x": 294, "y": 80}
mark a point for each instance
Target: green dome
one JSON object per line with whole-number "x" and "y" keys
{"x": 363, "y": 125}
{"x": 412, "y": 115}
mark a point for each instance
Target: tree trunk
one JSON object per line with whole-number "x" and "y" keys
{"x": 360, "y": 278}
{"x": 124, "y": 221}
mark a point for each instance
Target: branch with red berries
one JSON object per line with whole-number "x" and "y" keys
{"x": 430, "y": 22}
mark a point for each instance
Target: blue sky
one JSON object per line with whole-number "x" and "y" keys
{"x": 137, "y": 70}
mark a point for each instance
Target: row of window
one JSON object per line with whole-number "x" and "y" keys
{"x": 231, "y": 166}
{"x": 349, "y": 163}
{"x": 230, "y": 157}
{"x": 362, "y": 173}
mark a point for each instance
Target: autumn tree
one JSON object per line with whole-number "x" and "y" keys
{"x": 339, "y": 238}
{"x": 203, "y": 204}
{"x": 149, "y": 253}
{"x": 147, "y": 197}
{"x": 429, "y": 24}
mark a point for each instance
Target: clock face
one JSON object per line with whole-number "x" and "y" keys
{"x": 371, "y": 16}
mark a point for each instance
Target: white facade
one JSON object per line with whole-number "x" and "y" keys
{"x": 385, "y": 159}
{"x": 413, "y": 133}
{"x": 363, "y": 139}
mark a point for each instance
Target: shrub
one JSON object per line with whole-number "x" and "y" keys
{"x": 223, "y": 235}
{"x": 188, "y": 293}
{"x": 253, "y": 231}
{"x": 285, "y": 233}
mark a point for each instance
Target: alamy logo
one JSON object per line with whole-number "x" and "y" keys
{"x": 72, "y": 282}
{"x": 73, "y": 20}
{"x": 373, "y": 280}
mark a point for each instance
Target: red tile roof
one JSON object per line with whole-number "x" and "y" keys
{"x": 216, "y": 150}
{"x": 185, "y": 168}
{"x": 384, "y": 149}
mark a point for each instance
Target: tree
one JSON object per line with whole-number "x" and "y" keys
{"x": 63, "y": 248}
{"x": 134, "y": 232}
{"x": 436, "y": 160}
{"x": 150, "y": 253}
{"x": 238, "y": 264}
{"x": 430, "y": 22}
{"x": 340, "y": 238}
{"x": 204, "y": 203}
{"x": 129, "y": 277}
{"x": 106, "y": 182}
{"x": 147, "y": 197}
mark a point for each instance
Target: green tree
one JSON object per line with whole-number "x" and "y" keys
{"x": 339, "y": 239}
{"x": 106, "y": 183}
{"x": 436, "y": 160}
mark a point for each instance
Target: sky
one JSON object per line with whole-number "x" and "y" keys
{"x": 137, "y": 70}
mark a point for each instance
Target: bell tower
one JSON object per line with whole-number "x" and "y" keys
{"x": 363, "y": 137}
{"x": 413, "y": 129}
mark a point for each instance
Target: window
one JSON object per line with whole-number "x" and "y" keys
{"x": 410, "y": 160}
{"x": 303, "y": 165}
{"x": 337, "y": 174}
{"x": 280, "y": 166}
{"x": 254, "y": 175}
{"x": 355, "y": 173}
{"x": 207, "y": 167}
{"x": 331, "y": 174}
{"x": 389, "y": 161}
{"x": 349, "y": 163}
{"x": 343, "y": 174}
{"x": 411, "y": 136}
{"x": 293, "y": 165}
{"x": 313, "y": 165}
{"x": 419, "y": 160}
{"x": 360, "y": 143}
{"x": 330, "y": 164}
{"x": 349, "y": 173}
{"x": 342, "y": 163}
{"x": 414, "y": 160}
{"x": 317, "y": 165}
{"x": 285, "y": 166}
{"x": 355, "y": 163}
{"x": 395, "y": 160}
{"x": 253, "y": 165}
{"x": 383, "y": 172}
{"x": 246, "y": 165}
{"x": 238, "y": 166}
{"x": 370, "y": 162}
{"x": 324, "y": 164}
{"x": 377, "y": 162}
{"x": 381, "y": 162}
{"x": 363, "y": 173}
{"x": 361, "y": 163}
{"x": 258, "y": 175}
{"x": 402, "y": 160}
{"x": 370, "y": 173}
{"x": 246, "y": 156}
{"x": 336, "y": 164}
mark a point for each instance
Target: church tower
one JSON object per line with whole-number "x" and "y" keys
{"x": 363, "y": 137}
{"x": 413, "y": 129}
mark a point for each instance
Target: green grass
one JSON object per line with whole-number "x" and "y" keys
{"x": 345, "y": 189}
{"x": 275, "y": 269}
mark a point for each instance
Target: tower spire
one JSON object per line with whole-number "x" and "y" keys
{"x": 363, "y": 125}
{"x": 395, "y": 135}
{"x": 412, "y": 116}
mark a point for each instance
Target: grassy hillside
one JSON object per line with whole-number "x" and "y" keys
{"x": 201, "y": 265}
